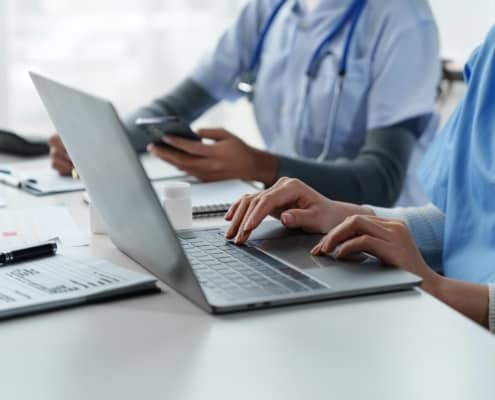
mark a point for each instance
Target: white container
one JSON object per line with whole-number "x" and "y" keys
{"x": 178, "y": 204}
{"x": 96, "y": 224}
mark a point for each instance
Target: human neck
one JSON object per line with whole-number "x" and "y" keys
{"x": 311, "y": 4}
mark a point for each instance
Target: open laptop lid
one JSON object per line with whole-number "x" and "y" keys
{"x": 99, "y": 146}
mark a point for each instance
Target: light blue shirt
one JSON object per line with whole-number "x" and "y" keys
{"x": 392, "y": 74}
{"x": 459, "y": 174}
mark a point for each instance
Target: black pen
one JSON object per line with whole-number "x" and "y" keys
{"x": 28, "y": 253}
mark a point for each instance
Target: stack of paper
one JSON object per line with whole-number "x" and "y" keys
{"x": 24, "y": 227}
{"x": 62, "y": 281}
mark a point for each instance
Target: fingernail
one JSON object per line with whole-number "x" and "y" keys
{"x": 287, "y": 219}
{"x": 150, "y": 148}
{"x": 228, "y": 233}
{"x": 240, "y": 237}
{"x": 167, "y": 139}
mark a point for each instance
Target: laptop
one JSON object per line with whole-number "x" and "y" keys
{"x": 274, "y": 268}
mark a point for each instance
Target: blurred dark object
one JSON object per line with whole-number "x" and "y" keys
{"x": 13, "y": 144}
{"x": 452, "y": 73}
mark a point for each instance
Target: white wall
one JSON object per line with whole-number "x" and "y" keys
{"x": 127, "y": 50}
{"x": 4, "y": 62}
{"x": 463, "y": 24}
{"x": 133, "y": 50}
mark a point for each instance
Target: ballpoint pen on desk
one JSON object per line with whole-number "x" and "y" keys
{"x": 28, "y": 253}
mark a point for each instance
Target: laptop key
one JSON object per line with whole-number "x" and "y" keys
{"x": 232, "y": 272}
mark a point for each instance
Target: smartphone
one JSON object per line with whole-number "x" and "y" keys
{"x": 157, "y": 127}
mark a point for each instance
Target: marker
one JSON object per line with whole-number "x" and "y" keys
{"x": 28, "y": 253}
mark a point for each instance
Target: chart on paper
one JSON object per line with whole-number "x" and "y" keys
{"x": 62, "y": 280}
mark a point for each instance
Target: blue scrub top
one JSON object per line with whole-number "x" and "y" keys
{"x": 459, "y": 174}
{"x": 392, "y": 74}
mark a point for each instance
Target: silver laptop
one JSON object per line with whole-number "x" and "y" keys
{"x": 274, "y": 268}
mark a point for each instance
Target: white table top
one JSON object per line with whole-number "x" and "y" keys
{"x": 396, "y": 346}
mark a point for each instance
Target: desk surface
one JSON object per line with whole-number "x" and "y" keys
{"x": 396, "y": 346}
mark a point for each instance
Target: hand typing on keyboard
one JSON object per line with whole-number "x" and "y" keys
{"x": 294, "y": 203}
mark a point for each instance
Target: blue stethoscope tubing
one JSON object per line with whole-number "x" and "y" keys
{"x": 246, "y": 83}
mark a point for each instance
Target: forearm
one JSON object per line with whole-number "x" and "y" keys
{"x": 188, "y": 101}
{"x": 470, "y": 299}
{"x": 427, "y": 228}
{"x": 375, "y": 176}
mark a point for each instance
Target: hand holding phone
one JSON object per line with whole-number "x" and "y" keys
{"x": 157, "y": 127}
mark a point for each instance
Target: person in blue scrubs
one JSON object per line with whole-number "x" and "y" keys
{"x": 288, "y": 57}
{"x": 453, "y": 235}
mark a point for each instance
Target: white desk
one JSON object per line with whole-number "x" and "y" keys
{"x": 397, "y": 346}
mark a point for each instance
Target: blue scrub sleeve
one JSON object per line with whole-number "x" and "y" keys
{"x": 188, "y": 101}
{"x": 405, "y": 76}
{"x": 375, "y": 176}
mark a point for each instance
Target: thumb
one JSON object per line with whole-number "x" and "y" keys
{"x": 215, "y": 134}
{"x": 298, "y": 218}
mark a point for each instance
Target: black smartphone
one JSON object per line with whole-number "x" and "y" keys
{"x": 157, "y": 127}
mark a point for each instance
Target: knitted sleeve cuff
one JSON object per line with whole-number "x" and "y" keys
{"x": 491, "y": 308}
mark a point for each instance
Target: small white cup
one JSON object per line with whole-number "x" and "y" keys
{"x": 178, "y": 204}
{"x": 96, "y": 224}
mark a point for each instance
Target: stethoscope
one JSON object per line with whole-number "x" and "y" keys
{"x": 246, "y": 83}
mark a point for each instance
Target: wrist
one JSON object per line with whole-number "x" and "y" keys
{"x": 334, "y": 213}
{"x": 349, "y": 209}
{"x": 432, "y": 283}
{"x": 265, "y": 167}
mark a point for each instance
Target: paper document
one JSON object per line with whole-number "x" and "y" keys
{"x": 61, "y": 280}
{"x": 39, "y": 178}
{"x": 3, "y": 203}
{"x": 24, "y": 227}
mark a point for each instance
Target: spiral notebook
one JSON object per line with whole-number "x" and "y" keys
{"x": 215, "y": 198}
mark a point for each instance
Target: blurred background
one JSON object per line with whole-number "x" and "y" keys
{"x": 132, "y": 50}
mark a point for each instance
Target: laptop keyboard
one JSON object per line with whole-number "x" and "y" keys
{"x": 233, "y": 273}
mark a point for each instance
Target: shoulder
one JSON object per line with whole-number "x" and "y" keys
{"x": 488, "y": 46}
{"x": 260, "y": 8}
{"x": 400, "y": 15}
{"x": 482, "y": 58}
{"x": 255, "y": 13}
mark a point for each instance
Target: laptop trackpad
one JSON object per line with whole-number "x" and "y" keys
{"x": 360, "y": 274}
{"x": 293, "y": 250}
{"x": 293, "y": 247}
